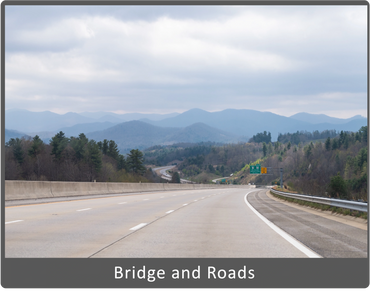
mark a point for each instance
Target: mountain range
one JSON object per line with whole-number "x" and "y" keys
{"x": 135, "y": 130}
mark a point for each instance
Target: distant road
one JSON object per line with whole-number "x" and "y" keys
{"x": 165, "y": 175}
{"x": 215, "y": 180}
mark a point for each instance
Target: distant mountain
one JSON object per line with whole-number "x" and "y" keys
{"x": 37, "y": 122}
{"x": 13, "y": 134}
{"x": 27, "y": 121}
{"x": 249, "y": 122}
{"x": 231, "y": 123}
{"x": 112, "y": 117}
{"x": 318, "y": 119}
{"x": 75, "y": 130}
{"x": 138, "y": 134}
{"x": 199, "y": 132}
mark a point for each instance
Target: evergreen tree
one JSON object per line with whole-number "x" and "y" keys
{"x": 112, "y": 150}
{"x": 264, "y": 149}
{"x": 121, "y": 163}
{"x": 337, "y": 187}
{"x": 135, "y": 160}
{"x": 175, "y": 178}
{"x": 105, "y": 147}
{"x": 59, "y": 142}
{"x": 328, "y": 144}
{"x": 93, "y": 157}
{"x": 37, "y": 147}
{"x": 79, "y": 146}
{"x": 16, "y": 145}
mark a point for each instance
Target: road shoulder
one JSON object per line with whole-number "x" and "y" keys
{"x": 349, "y": 220}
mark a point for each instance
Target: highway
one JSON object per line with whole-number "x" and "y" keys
{"x": 163, "y": 173}
{"x": 198, "y": 223}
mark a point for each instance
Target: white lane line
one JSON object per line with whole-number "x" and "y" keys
{"x": 145, "y": 199}
{"x": 185, "y": 204}
{"x": 195, "y": 200}
{"x": 13, "y": 221}
{"x": 122, "y": 203}
{"x": 84, "y": 209}
{"x": 169, "y": 211}
{"x": 162, "y": 197}
{"x": 282, "y": 233}
{"x": 138, "y": 226}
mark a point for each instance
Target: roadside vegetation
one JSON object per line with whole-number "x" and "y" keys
{"x": 332, "y": 167}
{"x": 73, "y": 159}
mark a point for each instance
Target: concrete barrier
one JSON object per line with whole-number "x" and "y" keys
{"x": 68, "y": 189}
{"x": 17, "y": 190}
{"x": 26, "y": 190}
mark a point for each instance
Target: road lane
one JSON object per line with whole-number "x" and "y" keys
{"x": 60, "y": 230}
{"x": 221, "y": 226}
{"x": 200, "y": 223}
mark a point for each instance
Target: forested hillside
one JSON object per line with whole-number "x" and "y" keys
{"x": 73, "y": 159}
{"x": 335, "y": 167}
{"x": 203, "y": 162}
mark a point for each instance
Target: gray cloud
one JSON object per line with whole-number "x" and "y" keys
{"x": 165, "y": 59}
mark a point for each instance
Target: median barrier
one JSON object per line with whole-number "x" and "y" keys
{"x": 17, "y": 190}
{"x": 70, "y": 189}
{"x": 117, "y": 188}
{"x": 26, "y": 190}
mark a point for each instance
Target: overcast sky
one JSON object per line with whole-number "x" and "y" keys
{"x": 163, "y": 59}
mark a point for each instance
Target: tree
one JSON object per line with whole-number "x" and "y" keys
{"x": 37, "y": 147}
{"x": 363, "y": 133}
{"x": 79, "y": 146}
{"x": 112, "y": 150}
{"x": 16, "y": 145}
{"x": 175, "y": 178}
{"x": 105, "y": 147}
{"x": 337, "y": 186}
{"x": 262, "y": 137}
{"x": 135, "y": 160}
{"x": 327, "y": 144}
{"x": 121, "y": 163}
{"x": 222, "y": 170}
{"x": 35, "y": 150}
{"x": 59, "y": 142}
{"x": 264, "y": 149}
{"x": 93, "y": 158}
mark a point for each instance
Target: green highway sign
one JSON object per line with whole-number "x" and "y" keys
{"x": 256, "y": 169}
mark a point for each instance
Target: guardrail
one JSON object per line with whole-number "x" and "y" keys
{"x": 352, "y": 205}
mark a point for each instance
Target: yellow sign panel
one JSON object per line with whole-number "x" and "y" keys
{"x": 263, "y": 170}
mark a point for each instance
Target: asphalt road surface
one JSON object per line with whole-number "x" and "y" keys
{"x": 196, "y": 223}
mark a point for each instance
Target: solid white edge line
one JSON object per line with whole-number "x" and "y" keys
{"x": 282, "y": 233}
{"x": 169, "y": 211}
{"x": 13, "y": 221}
{"x": 138, "y": 226}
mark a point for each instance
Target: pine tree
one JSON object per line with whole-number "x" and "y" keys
{"x": 327, "y": 144}
{"x": 175, "y": 178}
{"x": 135, "y": 160}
